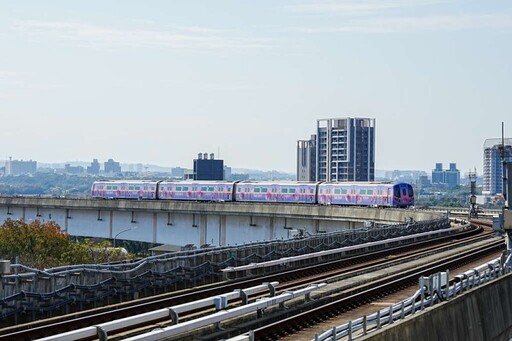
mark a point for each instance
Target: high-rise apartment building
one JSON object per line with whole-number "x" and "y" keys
{"x": 306, "y": 159}
{"x": 343, "y": 149}
{"x": 493, "y": 165}
{"x": 18, "y": 167}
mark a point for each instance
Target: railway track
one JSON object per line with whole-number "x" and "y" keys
{"x": 306, "y": 315}
{"x": 289, "y": 279}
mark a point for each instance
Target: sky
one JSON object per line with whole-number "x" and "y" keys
{"x": 156, "y": 82}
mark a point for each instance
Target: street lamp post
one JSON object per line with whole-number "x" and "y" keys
{"x": 128, "y": 229}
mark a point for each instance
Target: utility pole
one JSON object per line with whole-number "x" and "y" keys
{"x": 473, "y": 212}
{"x": 506, "y": 216}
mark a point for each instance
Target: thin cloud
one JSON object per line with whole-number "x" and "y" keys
{"x": 415, "y": 24}
{"x": 360, "y": 7}
{"x": 84, "y": 34}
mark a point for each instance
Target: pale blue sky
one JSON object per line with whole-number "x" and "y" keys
{"x": 159, "y": 81}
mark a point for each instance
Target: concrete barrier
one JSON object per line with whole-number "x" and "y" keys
{"x": 484, "y": 313}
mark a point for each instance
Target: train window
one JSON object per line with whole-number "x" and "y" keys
{"x": 178, "y": 188}
{"x": 362, "y": 191}
{"x": 284, "y": 190}
{"x": 352, "y": 191}
{"x": 238, "y": 189}
{"x": 137, "y": 187}
{"x": 396, "y": 191}
{"x": 263, "y": 190}
{"x": 114, "y": 187}
{"x": 273, "y": 190}
{"x": 292, "y": 190}
{"x": 370, "y": 192}
{"x": 131, "y": 188}
{"x": 203, "y": 189}
{"x": 229, "y": 189}
{"x": 211, "y": 189}
{"x": 343, "y": 191}
{"x": 256, "y": 190}
{"x": 404, "y": 192}
{"x": 185, "y": 188}
{"x": 337, "y": 191}
{"x": 109, "y": 188}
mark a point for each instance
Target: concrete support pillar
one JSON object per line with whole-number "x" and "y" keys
{"x": 66, "y": 220}
{"x": 23, "y": 210}
{"x": 203, "y": 223}
{"x": 222, "y": 230}
{"x": 155, "y": 220}
{"x": 317, "y": 226}
{"x": 111, "y": 224}
{"x": 271, "y": 229}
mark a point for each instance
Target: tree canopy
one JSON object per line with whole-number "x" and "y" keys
{"x": 44, "y": 245}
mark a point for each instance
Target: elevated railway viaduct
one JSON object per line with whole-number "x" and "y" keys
{"x": 198, "y": 223}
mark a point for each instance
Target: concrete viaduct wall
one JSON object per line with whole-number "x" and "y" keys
{"x": 181, "y": 223}
{"x": 484, "y": 313}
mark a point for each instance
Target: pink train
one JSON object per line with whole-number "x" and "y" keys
{"x": 384, "y": 194}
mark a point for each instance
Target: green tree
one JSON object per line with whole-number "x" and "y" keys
{"x": 44, "y": 245}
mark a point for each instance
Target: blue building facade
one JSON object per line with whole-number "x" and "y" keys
{"x": 493, "y": 165}
{"x": 208, "y": 169}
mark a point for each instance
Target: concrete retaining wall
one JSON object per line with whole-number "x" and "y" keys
{"x": 484, "y": 313}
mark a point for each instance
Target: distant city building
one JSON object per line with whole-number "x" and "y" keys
{"x": 178, "y": 172}
{"x": 227, "y": 173}
{"x": 411, "y": 176}
{"x": 239, "y": 177}
{"x": 188, "y": 174}
{"x": 452, "y": 176}
{"x": 19, "y": 167}
{"x": 94, "y": 168}
{"x": 73, "y": 169}
{"x": 493, "y": 165}
{"x": 449, "y": 177}
{"x": 112, "y": 167}
{"x": 343, "y": 149}
{"x": 423, "y": 181}
{"x": 438, "y": 174}
{"x": 208, "y": 169}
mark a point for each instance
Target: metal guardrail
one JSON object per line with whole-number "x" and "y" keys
{"x": 432, "y": 289}
{"x": 32, "y": 291}
{"x": 222, "y": 313}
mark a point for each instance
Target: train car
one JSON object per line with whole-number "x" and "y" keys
{"x": 125, "y": 189}
{"x": 403, "y": 195}
{"x": 196, "y": 190}
{"x": 284, "y": 192}
{"x": 366, "y": 194}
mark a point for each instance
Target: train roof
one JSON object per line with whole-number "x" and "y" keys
{"x": 127, "y": 181}
{"x": 282, "y": 183}
{"x": 364, "y": 183}
{"x": 198, "y": 182}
